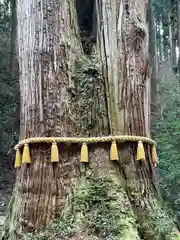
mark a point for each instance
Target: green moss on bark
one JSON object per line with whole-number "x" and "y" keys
{"x": 105, "y": 208}
{"x": 90, "y": 97}
{"x": 99, "y": 207}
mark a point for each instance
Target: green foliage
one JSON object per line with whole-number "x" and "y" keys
{"x": 169, "y": 168}
{"x": 9, "y": 87}
{"x": 166, "y": 128}
{"x": 158, "y": 223}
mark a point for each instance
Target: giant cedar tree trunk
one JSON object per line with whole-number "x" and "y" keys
{"x": 65, "y": 92}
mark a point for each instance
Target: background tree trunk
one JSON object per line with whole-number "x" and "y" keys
{"x": 178, "y": 30}
{"x": 13, "y": 39}
{"x": 174, "y": 33}
{"x": 69, "y": 91}
{"x": 153, "y": 58}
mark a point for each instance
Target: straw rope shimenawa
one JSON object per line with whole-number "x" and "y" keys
{"x": 25, "y": 158}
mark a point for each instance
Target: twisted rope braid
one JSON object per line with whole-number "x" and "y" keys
{"x": 26, "y": 156}
{"x": 120, "y": 138}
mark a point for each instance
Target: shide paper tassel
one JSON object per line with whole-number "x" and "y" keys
{"x": 154, "y": 155}
{"x": 84, "y": 153}
{"x": 114, "y": 152}
{"x": 26, "y": 154}
{"x": 140, "y": 151}
{"x": 54, "y": 153}
{"x": 18, "y": 159}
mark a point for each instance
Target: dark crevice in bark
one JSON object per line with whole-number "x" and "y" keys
{"x": 86, "y": 12}
{"x": 127, "y": 9}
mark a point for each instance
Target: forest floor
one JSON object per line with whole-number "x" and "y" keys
{"x": 6, "y": 186}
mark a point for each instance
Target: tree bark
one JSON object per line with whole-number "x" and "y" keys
{"x": 178, "y": 17}
{"x": 174, "y": 34}
{"x": 153, "y": 57}
{"x": 67, "y": 93}
{"x": 160, "y": 44}
{"x": 13, "y": 39}
{"x": 166, "y": 34}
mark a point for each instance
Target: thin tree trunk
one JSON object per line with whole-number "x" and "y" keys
{"x": 159, "y": 26}
{"x": 178, "y": 20}
{"x": 66, "y": 93}
{"x": 174, "y": 34}
{"x": 165, "y": 25}
{"x": 13, "y": 39}
{"x": 153, "y": 57}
